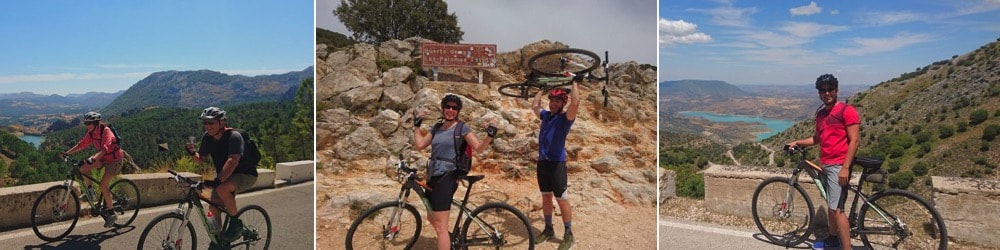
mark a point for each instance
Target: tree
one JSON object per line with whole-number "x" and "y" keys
{"x": 377, "y": 21}
{"x": 303, "y": 120}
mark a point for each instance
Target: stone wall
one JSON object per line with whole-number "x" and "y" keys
{"x": 970, "y": 207}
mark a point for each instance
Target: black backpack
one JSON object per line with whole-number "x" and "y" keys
{"x": 463, "y": 153}
{"x": 251, "y": 154}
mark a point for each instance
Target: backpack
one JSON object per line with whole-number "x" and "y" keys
{"x": 118, "y": 139}
{"x": 463, "y": 153}
{"x": 251, "y": 154}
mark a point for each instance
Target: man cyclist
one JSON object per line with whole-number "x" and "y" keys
{"x": 109, "y": 155}
{"x": 552, "y": 177}
{"x": 837, "y": 133}
{"x": 225, "y": 146}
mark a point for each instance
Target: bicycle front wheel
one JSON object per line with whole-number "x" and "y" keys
{"x": 125, "y": 196}
{"x": 256, "y": 228}
{"x": 782, "y": 213}
{"x": 388, "y": 225}
{"x": 497, "y": 226}
{"x": 899, "y": 219}
{"x": 167, "y": 232}
{"x": 557, "y": 62}
{"x": 57, "y": 209}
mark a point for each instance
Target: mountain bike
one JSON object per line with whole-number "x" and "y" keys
{"x": 396, "y": 224}
{"x": 887, "y": 219}
{"x": 174, "y": 231}
{"x": 557, "y": 68}
{"x": 59, "y": 206}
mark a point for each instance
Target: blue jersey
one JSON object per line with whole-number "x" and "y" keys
{"x": 552, "y": 136}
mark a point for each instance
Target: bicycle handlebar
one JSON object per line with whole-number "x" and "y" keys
{"x": 195, "y": 184}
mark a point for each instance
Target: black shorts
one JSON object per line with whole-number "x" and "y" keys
{"x": 443, "y": 189}
{"x": 552, "y": 178}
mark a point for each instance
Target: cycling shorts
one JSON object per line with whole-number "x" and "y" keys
{"x": 442, "y": 191}
{"x": 552, "y": 178}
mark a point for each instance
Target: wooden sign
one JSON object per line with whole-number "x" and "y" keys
{"x": 478, "y": 56}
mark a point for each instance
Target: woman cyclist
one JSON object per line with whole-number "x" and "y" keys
{"x": 109, "y": 156}
{"x": 442, "y": 168}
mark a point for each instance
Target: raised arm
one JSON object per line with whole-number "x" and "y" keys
{"x": 574, "y": 103}
{"x": 421, "y": 138}
{"x": 536, "y": 104}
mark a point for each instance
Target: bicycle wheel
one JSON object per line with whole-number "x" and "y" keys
{"x": 556, "y": 62}
{"x": 910, "y": 222}
{"x": 157, "y": 234}
{"x": 57, "y": 207}
{"x": 782, "y": 213}
{"x": 256, "y": 228}
{"x": 497, "y": 225}
{"x": 125, "y": 196}
{"x": 376, "y": 229}
{"x": 519, "y": 90}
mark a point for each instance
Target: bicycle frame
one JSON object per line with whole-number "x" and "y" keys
{"x": 95, "y": 202}
{"x": 193, "y": 200}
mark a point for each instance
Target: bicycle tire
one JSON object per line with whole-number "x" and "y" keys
{"x": 45, "y": 211}
{"x": 519, "y": 90}
{"x": 126, "y": 200}
{"x": 783, "y": 228}
{"x": 910, "y": 209}
{"x": 498, "y": 217}
{"x": 547, "y": 63}
{"x": 372, "y": 235}
{"x": 257, "y": 227}
{"x": 161, "y": 237}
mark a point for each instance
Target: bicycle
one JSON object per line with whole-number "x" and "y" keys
{"x": 60, "y": 205}
{"x": 892, "y": 218}
{"x": 396, "y": 224}
{"x": 557, "y": 68}
{"x": 167, "y": 230}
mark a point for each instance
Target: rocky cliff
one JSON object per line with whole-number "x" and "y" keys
{"x": 367, "y": 96}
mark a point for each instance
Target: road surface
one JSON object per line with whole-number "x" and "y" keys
{"x": 677, "y": 234}
{"x": 290, "y": 209}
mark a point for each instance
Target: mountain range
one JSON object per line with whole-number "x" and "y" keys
{"x": 27, "y": 103}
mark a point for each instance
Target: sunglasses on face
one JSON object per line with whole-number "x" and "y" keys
{"x": 89, "y": 123}
{"x": 827, "y": 90}
{"x": 207, "y": 123}
{"x": 452, "y": 107}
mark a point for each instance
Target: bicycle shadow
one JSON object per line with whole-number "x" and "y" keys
{"x": 804, "y": 245}
{"x": 89, "y": 241}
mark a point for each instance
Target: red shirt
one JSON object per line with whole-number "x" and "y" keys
{"x": 831, "y": 126}
{"x": 104, "y": 142}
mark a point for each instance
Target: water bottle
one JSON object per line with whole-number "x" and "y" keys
{"x": 818, "y": 245}
{"x": 90, "y": 193}
{"x": 211, "y": 222}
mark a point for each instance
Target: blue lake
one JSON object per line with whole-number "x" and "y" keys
{"x": 774, "y": 126}
{"x": 33, "y": 139}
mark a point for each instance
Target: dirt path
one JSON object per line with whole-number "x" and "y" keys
{"x": 599, "y": 222}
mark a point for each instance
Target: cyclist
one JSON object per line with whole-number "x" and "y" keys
{"x": 442, "y": 168}
{"x": 109, "y": 156}
{"x": 225, "y": 146}
{"x": 552, "y": 177}
{"x": 837, "y": 133}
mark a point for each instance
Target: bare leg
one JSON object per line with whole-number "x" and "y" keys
{"x": 547, "y": 204}
{"x": 565, "y": 209}
{"x": 439, "y": 220}
{"x": 839, "y": 218}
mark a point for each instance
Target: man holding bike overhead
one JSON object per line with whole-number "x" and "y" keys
{"x": 445, "y": 153}
{"x": 837, "y": 132}
{"x": 108, "y": 154}
{"x": 552, "y": 177}
{"x": 225, "y": 146}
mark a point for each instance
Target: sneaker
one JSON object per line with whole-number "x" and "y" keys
{"x": 831, "y": 241}
{"x": 109, "y": 218}
{"x": 567, "y": 242}
{"x": 234, "y": 231}
{"x": 545, "y": 235}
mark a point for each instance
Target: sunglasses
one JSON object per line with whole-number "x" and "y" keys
{"x": 89, "y": 123}
{"x": 209, "y": 123}
{"x": 827, "y": 90}
{"x": 452, "y": 107}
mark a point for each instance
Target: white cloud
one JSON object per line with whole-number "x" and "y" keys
{"x": 883, "y": 18}
{"x": 875, "y": 45}
{"x": 770, "y": 39}
{"x": 810, "y": 30}
{"x": 679, "y": 32}
{"x": 729, "y": 15}
{"x": 787, "y": 56}
{"x": 68, "y": 77}
{"x": 834, "y": 12}
{"x": 807, "y": 10}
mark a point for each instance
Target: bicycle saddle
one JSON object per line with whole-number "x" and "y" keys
{"x": 868, "y": 162}
{"x": 472, "y": 178}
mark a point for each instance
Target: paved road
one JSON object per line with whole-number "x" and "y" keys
{"x": 290, "y": 209}
{"x": 676, "y": 234}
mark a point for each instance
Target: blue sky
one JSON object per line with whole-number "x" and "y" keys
{"x": 62, "y": 47}
{"x": 626, "y": 28}
{"x": 793, "y": 42}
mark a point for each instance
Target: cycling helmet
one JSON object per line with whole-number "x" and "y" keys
{"x": 826, "y": 79}
{"x": 559, "y": 94}
{"x": 92, "y": 117}
{"x": 213, "y": 113}
{"x": 451, "y": 98}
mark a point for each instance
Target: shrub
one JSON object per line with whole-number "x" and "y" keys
{"x": 978, "y": 116}
{"x": 946, "y": 131}
{"x": 901, "y": 180}
{"x": 991, "y": 132}
{"x": 920, "y": 169}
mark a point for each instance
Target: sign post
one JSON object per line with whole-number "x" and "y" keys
{"x": 477, "y": 56}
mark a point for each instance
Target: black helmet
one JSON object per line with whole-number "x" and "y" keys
{"x": 826, "y": 79}
{"x": 213, "y": 113}
{"x": 92, "y": 117}
{"x": 451, "y": 98}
